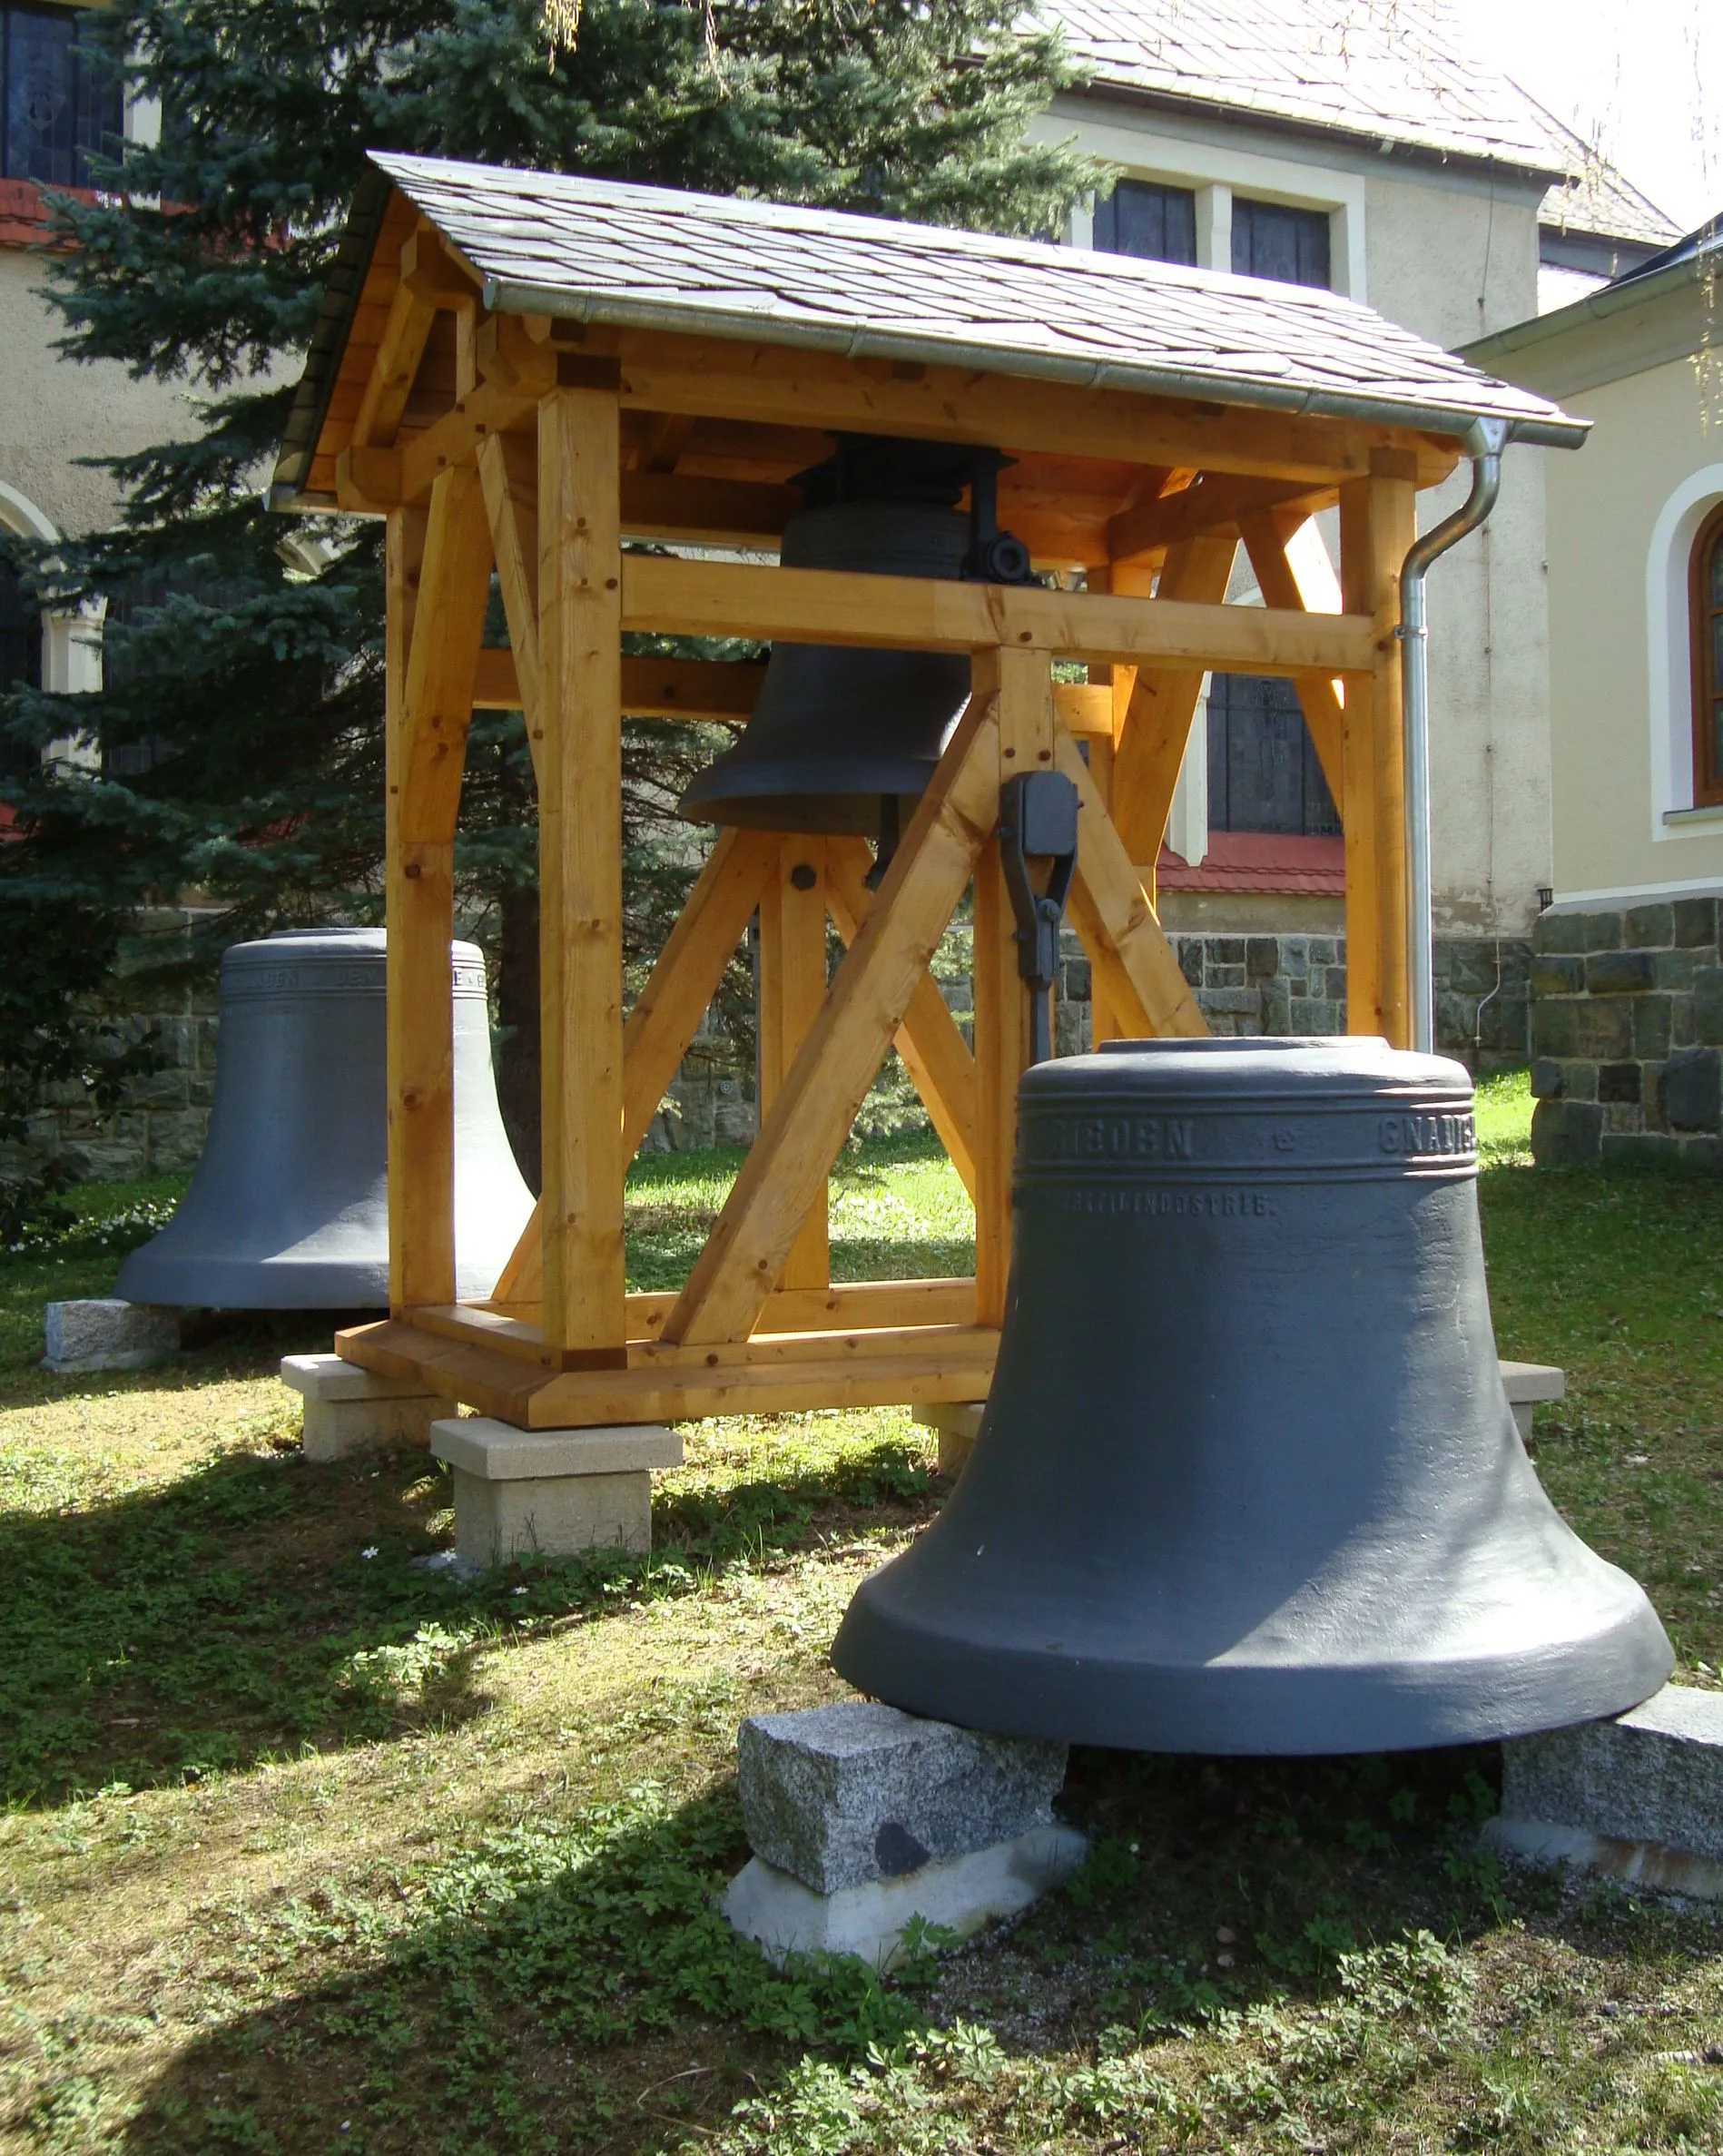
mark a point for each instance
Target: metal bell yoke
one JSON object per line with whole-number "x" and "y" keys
{"x": 1248, "y": 1480}
{"x": 289, "y": 1209}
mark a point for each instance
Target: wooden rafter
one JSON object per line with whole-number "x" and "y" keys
{"x": 1320, "y": 699}
{"x": 1215, "y": 505}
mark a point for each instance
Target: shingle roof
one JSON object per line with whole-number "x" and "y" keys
{"x": 648, "y": 258}
{"x": 1385, "y": 70}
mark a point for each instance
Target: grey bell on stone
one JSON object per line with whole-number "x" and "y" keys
{"x": 289, "y": 1209}
{"x": 1248, "y": 1480}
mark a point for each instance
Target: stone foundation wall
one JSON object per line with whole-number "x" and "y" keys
{"x": 1627, "y": 1022}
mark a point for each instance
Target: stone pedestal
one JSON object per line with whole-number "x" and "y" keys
{"x": 350, "y": 1410}
{"x": 107, "y": 1334}
{"x": 1639, "y": 1798}
{"x": 956, "y": 1423}
{"x": 1527, "y": 1383}
{"x": 862, "y": 1819}
{"x": 551, "y": 1492}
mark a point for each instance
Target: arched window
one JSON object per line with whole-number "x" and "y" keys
{"x": 1706, "y": 626}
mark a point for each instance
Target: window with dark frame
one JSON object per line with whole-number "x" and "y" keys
{"x": 1706, "y": 628}
{"x": 60, "y": 103}
{"x": 1264, "y": 773}
{"x": 1158, "y": 223}
{"x": 1271, "y": 240}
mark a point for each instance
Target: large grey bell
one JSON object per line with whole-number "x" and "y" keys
{"x": 289, "y": 1209}
{"x": 1248, "y": 1480}
{"x": 843, "y": 740}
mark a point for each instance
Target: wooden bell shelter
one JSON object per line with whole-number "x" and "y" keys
{"x": 523, "y": 372}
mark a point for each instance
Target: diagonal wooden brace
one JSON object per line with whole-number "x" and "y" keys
{"x": 824, "y": 1087}
{"x": 930, "y": 1041}
{"x": 1111, "y": 914}
{"x": 667, "y": 1010}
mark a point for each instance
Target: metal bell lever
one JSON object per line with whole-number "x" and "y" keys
{"x": 1038, "y": 821}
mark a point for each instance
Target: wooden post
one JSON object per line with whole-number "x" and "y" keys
{"x": 1377, "y": 525}
{"x": 792, "y": 984}
{"x": 420, "y": 900}
{"x": 1104, "y": 1020}
{"x": 1023, "y": 682}
{"x": 580, "y": 875}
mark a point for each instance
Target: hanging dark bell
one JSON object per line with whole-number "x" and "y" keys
{"x": 289, "y": 1209}
{"x": 843, "y": 740}
{"x": 1248, "y": 1480}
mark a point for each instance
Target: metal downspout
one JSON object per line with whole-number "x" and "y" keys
{"x": 1486, "y": 439}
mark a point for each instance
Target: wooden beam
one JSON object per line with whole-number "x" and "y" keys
{"x": 722, "y": 598}
{"x": 452, "y": 440}
{"x": 668, "y": 1011}
{"x": 1111, "y": 912}
{"x": 513, "y": 511}
{"x": 394, "y": 369}
{"x": 1213, "y": 505}
{"x": 722, "y": 379}
{"x": 793, "y": 987}
{"x": 418, "y": 881}
{"x": 1021, "y": 683}
{"x": 443, "y": 659}
{"x": 672, "y": 689}
{"x": 1378, "y": 521}
{"x": 850, "y": 1304}
{"x": 1163, "y": 702}
{"x": 580, "y": 873}
{"x": 929, "y": 1040}
{"x": 824, "y": 1087}
{"x": 1320, "y": 699}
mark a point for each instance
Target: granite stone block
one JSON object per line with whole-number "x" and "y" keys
{"x": 1566, "y": 1133}
{"x": 1653, "y": 1776}
{"x": 1549, "y": 1080}
{"x": 841, "y": 1796}
{"x": 1577, "y": 932}
{"x": 1618, "y": 1082}
{"x": 1603, "y": 1027}
{"x": 1649, "y": 928}
{"x": 1638, "y": 1149}
{"x": 1694, "y": 921}
{"x": 1707, "y": 1004}
{"x": 1262, "y": 958}
{"x": 1555, "y": 974}
{"x": 107, "y": 1334}
{"x": 1692, "y": 1089}
{"x": 1617, "y": 973}
{"x": 1653, "y": 1023}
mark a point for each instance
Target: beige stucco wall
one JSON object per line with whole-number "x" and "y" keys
{"x": 1622, "y": 517}
{"x": 1454, "y": 257}
{"x": 54, "y": 411}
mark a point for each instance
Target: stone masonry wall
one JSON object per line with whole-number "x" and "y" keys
{"x": 1627, "y": 1021}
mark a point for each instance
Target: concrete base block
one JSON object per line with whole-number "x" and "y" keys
{"x": 107, "y": 1334}
{"x": 551, "y": 1492}
{"x": 1527, "y": 1383}
{"x": 1639, "y": 1797}
{"x": 955, "y": 1422}
{"x": 350, "y": 1410}
{"x": 960, "y": 1894}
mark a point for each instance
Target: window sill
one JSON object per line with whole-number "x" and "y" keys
{"x": 1708, "y": 818}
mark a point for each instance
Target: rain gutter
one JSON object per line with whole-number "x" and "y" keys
{"x": 1485, "y": 441}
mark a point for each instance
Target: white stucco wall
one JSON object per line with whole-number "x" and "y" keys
{"x": 1622, "y": 520}
{"x": 1453, "y": 256}
{"x": 54, "y": 411}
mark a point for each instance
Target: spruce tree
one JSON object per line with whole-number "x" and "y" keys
{"x": 238, "y": 740}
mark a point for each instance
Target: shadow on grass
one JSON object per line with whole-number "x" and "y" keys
{"x": 569, "y": 1981}
{"x": 258, "y": 1606}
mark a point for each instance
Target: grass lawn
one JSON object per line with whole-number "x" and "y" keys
{"x": 306, "y": 1849}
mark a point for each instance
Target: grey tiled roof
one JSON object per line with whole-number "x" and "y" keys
{"x": 1385, "y": 70}
{"x": 646, "y": 257}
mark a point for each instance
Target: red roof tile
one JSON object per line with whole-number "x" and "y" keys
{"x": 1259, "y": 860}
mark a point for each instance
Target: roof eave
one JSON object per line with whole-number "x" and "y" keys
{"x": 1641, "y": 289}
{"x": 515, "y": 298}
{"x": 1543, "y": 176}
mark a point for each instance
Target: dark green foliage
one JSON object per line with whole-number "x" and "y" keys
{"x": 240, "y": 733}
